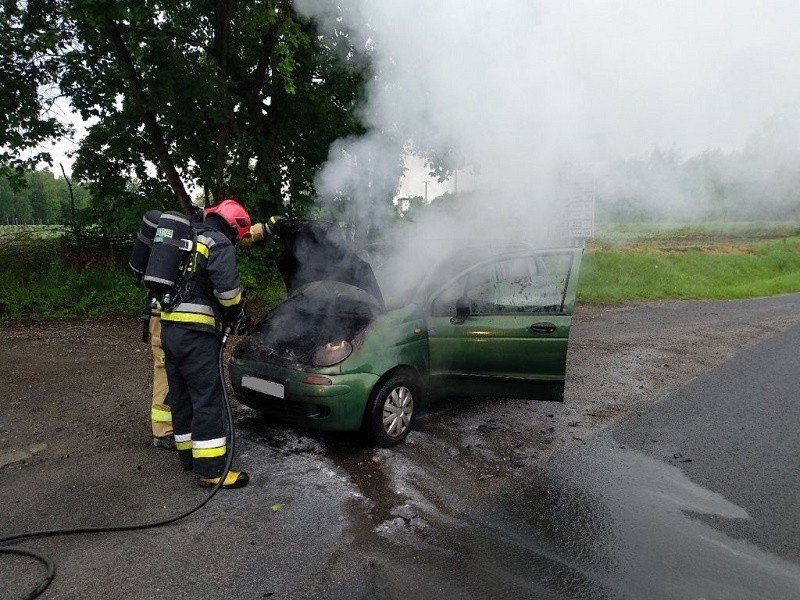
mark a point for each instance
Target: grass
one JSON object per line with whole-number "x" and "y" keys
{"x": 730, "y": 262}
{"x": 625, "y": 232}
{"x": 46, "y": 278}
{"x": 31, "y": 231}
{"x": 55, "y": 292}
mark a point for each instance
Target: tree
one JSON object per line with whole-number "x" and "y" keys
{"x": 40, "y": 198}
{"x": 27, "y": 90}
{"x": 233, "y": 98}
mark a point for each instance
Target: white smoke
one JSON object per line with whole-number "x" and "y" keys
{"x": 518, "y": 88}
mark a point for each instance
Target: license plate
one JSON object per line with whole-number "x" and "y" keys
{"x": 265, "y": 386}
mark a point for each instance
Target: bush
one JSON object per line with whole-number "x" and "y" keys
{"x": 67, "y": 278}
{"x": 40, "y": 279}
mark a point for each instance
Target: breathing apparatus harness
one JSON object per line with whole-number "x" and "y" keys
{"x": 50, "y": 565}
{"x": 164, "y": 260}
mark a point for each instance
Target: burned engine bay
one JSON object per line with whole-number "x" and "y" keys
{"x": 318, "y": 313}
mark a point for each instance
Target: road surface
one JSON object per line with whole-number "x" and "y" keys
{"x": 639, "y": 485}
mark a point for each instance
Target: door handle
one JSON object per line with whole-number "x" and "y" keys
{"x": 542, "y": 328}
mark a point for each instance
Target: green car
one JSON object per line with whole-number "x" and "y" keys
{"x": 489, "y": 320}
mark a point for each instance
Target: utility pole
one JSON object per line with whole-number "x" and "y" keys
{"x": 426, "y": 192}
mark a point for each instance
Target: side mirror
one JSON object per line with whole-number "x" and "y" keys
{"x": 462, "y": 311}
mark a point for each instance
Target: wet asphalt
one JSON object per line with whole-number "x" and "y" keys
{"x": 694, "y": 497}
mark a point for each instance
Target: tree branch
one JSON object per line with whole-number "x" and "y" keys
{"x": 148, "y": 116}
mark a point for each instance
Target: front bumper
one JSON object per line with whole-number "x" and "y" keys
{"x": 284, "y": 394}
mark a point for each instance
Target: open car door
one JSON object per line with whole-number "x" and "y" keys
{"x": 501, "y": 327}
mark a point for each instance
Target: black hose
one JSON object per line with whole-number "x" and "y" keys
{"x": 50, "y": 566}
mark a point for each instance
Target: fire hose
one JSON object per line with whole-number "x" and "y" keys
{"x": 50, "y": 565}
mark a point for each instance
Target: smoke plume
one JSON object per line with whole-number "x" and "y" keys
{"x": 515, "y": 90}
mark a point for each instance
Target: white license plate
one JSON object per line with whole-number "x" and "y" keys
{"x": 265, "y": 386}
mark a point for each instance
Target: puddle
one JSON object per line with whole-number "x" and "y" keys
{"x": 605, "y": 522}
{"x": 601, "y": 521}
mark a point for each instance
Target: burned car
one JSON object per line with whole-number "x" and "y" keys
{"x": 334, "y": 356}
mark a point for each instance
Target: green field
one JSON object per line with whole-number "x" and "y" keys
{"x": 714, "y": 261}
{"x": 44, "y": 276}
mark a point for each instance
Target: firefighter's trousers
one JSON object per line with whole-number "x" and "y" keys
{"x": 195, "y": 398}
{"x": 160, "y": 417}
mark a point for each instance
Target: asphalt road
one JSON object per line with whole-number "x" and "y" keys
{"x": 669, "y": 472}
{"x": 733, "y": 434}
{"x": 697, "y": 496}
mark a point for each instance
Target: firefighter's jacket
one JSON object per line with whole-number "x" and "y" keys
{"x": 210, "y": 288}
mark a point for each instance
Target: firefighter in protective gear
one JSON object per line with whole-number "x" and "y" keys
{"x": 210, "y": 299}
{"x": 160, "y": 414}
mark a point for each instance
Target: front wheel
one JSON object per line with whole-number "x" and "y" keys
{"x": 392, "y": 410}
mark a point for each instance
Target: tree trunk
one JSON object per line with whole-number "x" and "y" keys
{"x": 148, "y": 117}
{"x": 222, "y": 26}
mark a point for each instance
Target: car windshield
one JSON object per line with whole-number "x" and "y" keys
{"x": 337, "y": 297}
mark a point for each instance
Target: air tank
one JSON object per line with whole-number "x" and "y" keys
{"x": 171, "y": 242}
{"x": 140, "y": 254}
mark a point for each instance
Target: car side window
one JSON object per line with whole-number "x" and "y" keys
{"x": 444, "y": 304}
{"x": 515, "y": 285}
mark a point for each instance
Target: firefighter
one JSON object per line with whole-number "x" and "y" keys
{"x": 160, "y": 414}
{"x": 191, "y": 337}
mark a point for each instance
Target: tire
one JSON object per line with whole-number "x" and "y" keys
{"x": 392, "y": 410}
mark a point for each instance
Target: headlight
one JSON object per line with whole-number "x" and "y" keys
{"x": 332, "y": 353}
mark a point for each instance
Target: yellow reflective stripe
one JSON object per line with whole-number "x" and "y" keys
{"x": 183, "y": 445}
{"x": 202, "y": 249}
{"x": 208, "y": 452}
{"x": 159, "y": 415}
{"x": 231, "y": 301}
{"x": 188, "y": 318}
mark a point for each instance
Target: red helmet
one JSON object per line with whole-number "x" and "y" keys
{"x": 234, "y": 214}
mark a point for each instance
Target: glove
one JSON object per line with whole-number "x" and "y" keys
{"x": 262, "y": 233}
{"x": 236, "y": 318}
{"x": 258, "y": 233}
{"x": 273, "y": 225}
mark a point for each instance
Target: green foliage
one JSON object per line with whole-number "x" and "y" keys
{"x": 238, "y": 99}
{"x": 38, "y": 283}
{"x": 39, "y": 197}
{"x": 57, "y": 277}
{"x": 29, "y": 41}
{"x": 260, "y": 278}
